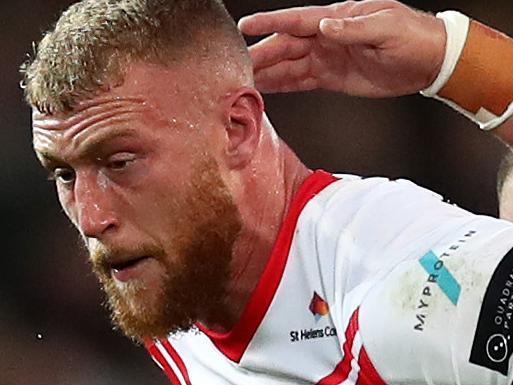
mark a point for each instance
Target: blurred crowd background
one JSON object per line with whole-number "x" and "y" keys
{"x": 53, "y": 329}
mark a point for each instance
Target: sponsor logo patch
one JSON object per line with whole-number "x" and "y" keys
{"x": 319, "y": 309}
{"x": 493, "y": 345}
{"x": 439, "y": 277}
{"x": 444, "y": 279}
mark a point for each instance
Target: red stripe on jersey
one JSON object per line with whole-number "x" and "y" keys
{"x": 368, "y": 374}
{"x": 343, "y": 369}
{"x": 157, "y": 355}
{"x": 234, "y": 343}
{"x": 177, "y": 359}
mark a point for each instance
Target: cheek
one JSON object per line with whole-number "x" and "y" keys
{"x": 160, "y": 208}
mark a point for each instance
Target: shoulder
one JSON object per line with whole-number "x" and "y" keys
{"x": 377, "y": 205}
{"x": 364, "y": 228}
{"x": 376, "y": 221}
{"x": 446, "y": 298}
{"x": 364, "y": 192}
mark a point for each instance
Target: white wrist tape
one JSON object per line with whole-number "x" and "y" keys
{"x": 457, "y": 28}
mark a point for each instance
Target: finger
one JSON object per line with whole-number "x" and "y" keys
{"x": 284, "y": 74}
{"x": 279, "y": 47}
{"x": 362, "y": 8}
{"x": 304, "y": 21}
{"x": 374, "y": 29}
{"x": 300, "y": 21}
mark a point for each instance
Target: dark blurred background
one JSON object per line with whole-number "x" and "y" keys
{"x": 53, "y": 330}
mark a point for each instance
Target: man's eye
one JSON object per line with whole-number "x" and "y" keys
{"x": 120, "y": 162}
{"x": 63, "y": 175}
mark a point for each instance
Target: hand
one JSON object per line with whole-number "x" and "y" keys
{"x": 372, "y": 48}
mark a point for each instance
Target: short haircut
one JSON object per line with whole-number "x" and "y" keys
{"x": 505, "y": 170}
{"x": 94, "y": 40}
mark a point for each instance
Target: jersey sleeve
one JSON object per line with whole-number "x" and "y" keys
{"x": 444, "y": 318}
{"x": 426, "y": 292}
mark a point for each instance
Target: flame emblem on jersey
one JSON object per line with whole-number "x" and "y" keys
{"x": 319, "y": 307}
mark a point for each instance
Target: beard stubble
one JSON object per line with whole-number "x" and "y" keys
{"x": 194, "y": 285}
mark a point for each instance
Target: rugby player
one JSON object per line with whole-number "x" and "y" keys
{"x": 218, "y": 248}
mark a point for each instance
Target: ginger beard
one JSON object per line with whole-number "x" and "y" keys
{"x": 194, "y": 282}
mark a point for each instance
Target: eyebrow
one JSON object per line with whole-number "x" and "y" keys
{"x": 99, "y": 140}
{"x": 89, "y": 146}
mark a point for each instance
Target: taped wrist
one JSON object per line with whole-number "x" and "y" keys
{"x": 476, "y": 77}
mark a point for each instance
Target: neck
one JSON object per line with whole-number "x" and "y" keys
{"x": 264, "y": 201}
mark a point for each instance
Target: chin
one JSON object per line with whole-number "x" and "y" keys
{"x": 139, "y": 298}
{"x": 143, "y": 311}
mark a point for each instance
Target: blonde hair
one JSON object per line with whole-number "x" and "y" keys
{"x": 94, "y": 40}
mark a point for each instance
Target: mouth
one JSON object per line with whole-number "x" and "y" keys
{"x": 119, "y": 266}
{"x": 128, "y": 269}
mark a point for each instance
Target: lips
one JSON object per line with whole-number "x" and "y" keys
{"x": 122, "y": 265}
{"x": 130, "y": 269}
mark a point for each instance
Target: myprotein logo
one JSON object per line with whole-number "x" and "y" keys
{"x": 492, "y": 346}
{"x": 440, "y": 275}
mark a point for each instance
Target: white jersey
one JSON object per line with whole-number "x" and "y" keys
{"x": 370, "y": 282}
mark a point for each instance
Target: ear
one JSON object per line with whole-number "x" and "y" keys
{"x": 243, "y": 120}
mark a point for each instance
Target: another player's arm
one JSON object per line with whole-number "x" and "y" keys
{"x": 379, "y": 48}
{"x": 480, "y": 81}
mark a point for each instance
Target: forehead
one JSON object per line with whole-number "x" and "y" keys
{"x": 156, "y": 85}
{"x": 148, "y": 93}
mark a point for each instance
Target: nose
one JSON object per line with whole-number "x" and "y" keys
{"x": 95, "y": 216}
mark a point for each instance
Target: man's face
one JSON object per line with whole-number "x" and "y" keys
{"x": 136, "y": 173}
{"x": 506, "y": 200}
